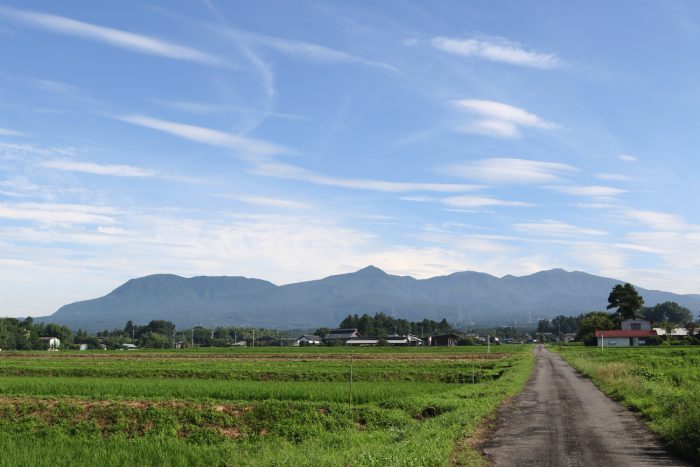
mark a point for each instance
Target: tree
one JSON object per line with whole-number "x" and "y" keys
{"x": 668, "y": 311}
{"x": 627, "y": 301}
{"x": 594, "y": 321}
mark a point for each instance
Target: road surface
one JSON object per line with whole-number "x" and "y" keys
{"x": 562, "y": 419}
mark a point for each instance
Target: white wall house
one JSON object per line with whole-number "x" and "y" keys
{"x": 308, "y": 340}
{"x": 623, "y": 337}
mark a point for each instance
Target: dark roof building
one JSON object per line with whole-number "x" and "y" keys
{"x": 341, "y": 336}
{"x": 445, "y": 340}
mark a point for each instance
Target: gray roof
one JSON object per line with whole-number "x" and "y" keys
{"x": 342, "y": 334}
{"x": 311, "y": 338}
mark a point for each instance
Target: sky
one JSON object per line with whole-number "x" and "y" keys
{"x": 290, "y": 141}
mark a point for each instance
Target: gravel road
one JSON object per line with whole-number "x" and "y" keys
{"x": 562, "y": 419}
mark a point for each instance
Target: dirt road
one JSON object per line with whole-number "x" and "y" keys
{"x": 562, "y": 419}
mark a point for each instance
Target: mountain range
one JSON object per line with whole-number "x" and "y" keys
{"x": 463, "y": 298}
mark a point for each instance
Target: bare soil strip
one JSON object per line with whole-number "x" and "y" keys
{"x": 562, "y": 419}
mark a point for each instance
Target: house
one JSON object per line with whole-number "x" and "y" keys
{"x": 569, "y": 337}
{"x": 362, "y": 342}
{"x": 340, "y": 336}
{"x": 83, "y": 347}
{"x": 240, "y": 344}
{"x": 53, "y": 343}
{"x": 408, "y": 339}
{"x": 264, "y": 341}
{"x": 624, "y": 337}
{"x": 181, "y": 345}
{"x": 635, "y": 325}
{"x": 445, "y": 340}
{"x": 308, "y": 340}
{"x": 129, "y": 346}
{"x": 675, "y": 332}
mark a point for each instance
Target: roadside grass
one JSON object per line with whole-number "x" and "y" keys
{"x": 120, "y": 420}
{"x": 660, "y": 382}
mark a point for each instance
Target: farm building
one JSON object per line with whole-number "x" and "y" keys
{"x": 363, "y": 342}
{"x": 624, "y": 337}
{"x": 308, "y": 340}
{"x": 445, "y": 340}
{"x": 53, "y": 343}
{"x": 340, "y": 336}
{"x": 408, "y": 339}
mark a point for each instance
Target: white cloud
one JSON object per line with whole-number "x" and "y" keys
{"x": 114, "y": 37}
{"x": 476, "y": 202}
{"x": 614, "y": 177}
{"x": 601, "y": 258}
{"x": 496, "y": 50}
{"x": 306, "y": 50}
{"x": 552, "y": 227}
{"x": 496, "y": 128}
{"x": 99, "y": 169}
{"x": 595, "y": 191}
{"x": 271, "y": 202}
{"x": 207, "y": 136}
{"x": 8, "y": 132}
{"x": 657, "y": 220}
{"x": 208, "y": 108}
{"x": 627, "y": 158}
{"x": 292, "y": 172}
{"x": 509, "y": 170}
{"x": 56, "y": 213}
{"x": 499, "y": 119}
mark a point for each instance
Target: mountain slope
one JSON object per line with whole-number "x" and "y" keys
{"x": 463, "y": 297}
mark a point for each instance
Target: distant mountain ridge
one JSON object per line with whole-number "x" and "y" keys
{"x": 462, "y": 297}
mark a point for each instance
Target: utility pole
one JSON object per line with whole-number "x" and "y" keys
{"x": 559, "y": 330}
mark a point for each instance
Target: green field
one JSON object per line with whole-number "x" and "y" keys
{"x": 663, "y": 383}
{"x": 266, "y": 406}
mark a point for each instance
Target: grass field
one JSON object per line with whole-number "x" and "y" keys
{"x": 262, "y": 406}
{"x": 663, "y": 383}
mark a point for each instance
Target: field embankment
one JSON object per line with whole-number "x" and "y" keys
{"x": 252, "y": 406}
{"x": 660, "y": 382}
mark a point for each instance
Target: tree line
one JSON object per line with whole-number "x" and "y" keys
{"x": 380, "y": 325}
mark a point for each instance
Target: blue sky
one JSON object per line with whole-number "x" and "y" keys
{"x": 295, "y": 140}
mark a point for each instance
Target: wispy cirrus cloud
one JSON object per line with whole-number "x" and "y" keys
{"x": 114, "y": 37}
{"x": 499, "y": 119}
{"x": 628, "y": 158}
{"x": 99, "y": 169}
{"x": 614, "y": 177}
{"x": 114, "y": 170}
{"x": 269, "y": 201}
{"x": 292, "y": 172}
{"x": 595, "y": 191}
{"x": 204, "y": 135}
{"x": 509, "y": 170}
{"x": 8, "y": 132}
{"x": 304, "y": 50}
{"x": 662, "y": 221}
{"x": 496, "y": 49}
{"x": 556, "y": 228}
{"x": 478, "y": 202}
{"x": 57, "y": 213}
{"x": 208, "y": 108}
